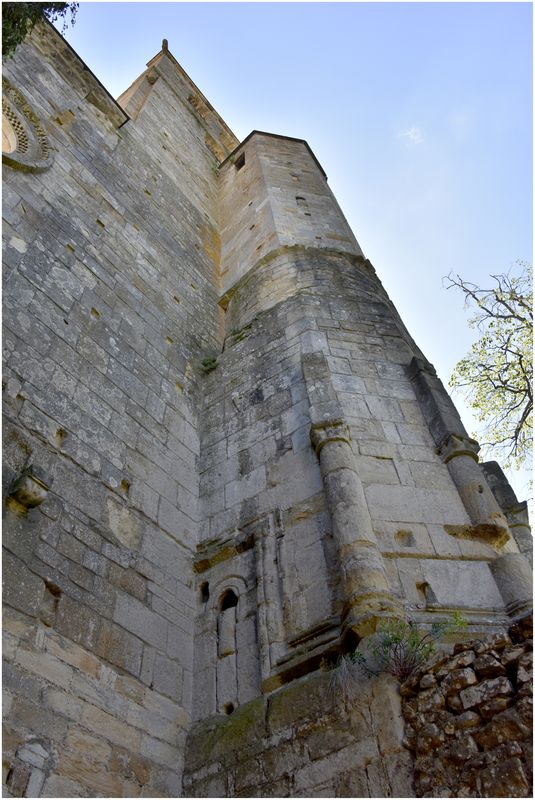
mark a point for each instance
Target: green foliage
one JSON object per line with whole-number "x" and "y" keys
{"x": 496, "y": 376}
{"x": 398, "y": 648}
{"x": 208, "y": 364}
{"x": 238, "y": 334}
{"x": 18, "y": 19}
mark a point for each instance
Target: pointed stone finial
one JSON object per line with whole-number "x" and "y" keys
{"x": 165, "y": 45}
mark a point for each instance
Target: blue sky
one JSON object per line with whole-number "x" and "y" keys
{"x": 420, "y": 113}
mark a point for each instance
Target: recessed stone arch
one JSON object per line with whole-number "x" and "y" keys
{"x": 25, "y": 145}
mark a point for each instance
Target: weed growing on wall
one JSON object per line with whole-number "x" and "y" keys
{"x": 398, "y": 648}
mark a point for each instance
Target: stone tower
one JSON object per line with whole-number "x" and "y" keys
{"x": 225, "y": 458}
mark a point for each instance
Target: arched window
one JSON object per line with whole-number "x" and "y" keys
{"x": 229, "y": 599}
{"x": 226, "y": 624}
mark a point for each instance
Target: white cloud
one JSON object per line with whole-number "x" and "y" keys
{"x": 414, "y": 135}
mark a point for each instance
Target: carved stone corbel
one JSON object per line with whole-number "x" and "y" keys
{"x": 28, "y": 491}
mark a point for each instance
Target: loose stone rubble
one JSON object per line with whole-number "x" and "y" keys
{"x": 469, "y": 719}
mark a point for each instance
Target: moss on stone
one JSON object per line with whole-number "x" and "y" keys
{"x": 225, "y": 737}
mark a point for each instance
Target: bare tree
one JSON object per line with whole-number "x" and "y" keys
{"x": 497, "y": 374}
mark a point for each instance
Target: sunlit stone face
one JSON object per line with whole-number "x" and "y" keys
{"x": 9, "y": 137}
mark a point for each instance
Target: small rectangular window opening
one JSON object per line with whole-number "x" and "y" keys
{"x": 240, "y": 162}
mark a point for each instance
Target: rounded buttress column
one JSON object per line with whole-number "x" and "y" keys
{"x": 366, "y": 592}
{"x": 488, "y": 521}
{"x": 514, "y": 579}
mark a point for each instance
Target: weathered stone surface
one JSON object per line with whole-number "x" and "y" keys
{"x": 525, "y": 668}
{"x": 485, "y": 691}
{"x": 458, "y": 679}
{"x": 427, "y": 682}
{"x": 511, "y": 656}
{"x": 477, "y": 747}
{"x": 311, "y": 739}
{"x": 293, "y": 703}
{"x": 507, "y": 779}
{"x": 492, "y": 707}
{"x": 430, "y": 738}
{"x": 497, "y": 642}
{"x": 488, "y": 666}
{"x": 430, "y": 700}
{"x": 120, "y": 648}
{"x": 21, "y": 589}
{"x": 464, "y": 659}
{"x": 506, "y": 725}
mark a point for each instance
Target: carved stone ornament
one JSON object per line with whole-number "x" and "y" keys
{"x": 458, "y": 445}
{"x": 333, "y": 430}
{"x": 25, "y": 144}
{"x": 28, "y": 491}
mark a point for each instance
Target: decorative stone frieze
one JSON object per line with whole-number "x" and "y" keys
{"x": 25, "y": 145}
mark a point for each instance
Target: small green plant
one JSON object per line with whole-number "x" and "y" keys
{"x": 398, "y": 648}
{"x": 208, "y": 364}
{"x": 238, "y": 334}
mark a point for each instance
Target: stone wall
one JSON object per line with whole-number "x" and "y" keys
{"x": 304, "y": 741}
{"x": 110, "y": 305}
{"x": 469, "y": 719}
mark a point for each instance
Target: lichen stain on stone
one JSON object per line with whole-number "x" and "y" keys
{"x": 123, "y": 524}
{"x": 211, "y": 242}
{"x": 492, "y": 535}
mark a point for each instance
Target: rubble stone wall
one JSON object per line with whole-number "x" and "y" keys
{"x": 469, "y": 719}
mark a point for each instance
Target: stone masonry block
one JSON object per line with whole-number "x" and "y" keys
{"x": 167, "y": 677}
{"x": 72, "y": 654}
{"x": 38, "y": 721}
{"x": 21, "y": 588}
{"x": 129, "y": 580}
{"x": 45, "y": 666}
{"x": 248, "y": 486}
{"x": 135, "y": 617}
{"x": 62, "y": 703}
{"x": 106, "y": 784}
{"x": 298, "y": 701}
{"x": 113, "y": 730}
{"x": 485, "y": 691}
{"x": 16, "y": 681}
{"x": 178, "y": 524}
{"x": 93, "y": 747}
{"x": 77, "y": 622}
{"x": 120, "y": 648}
